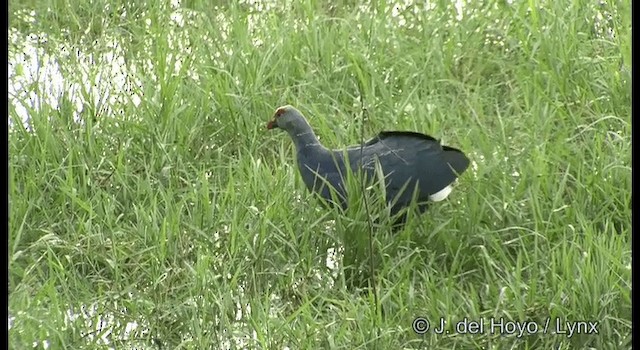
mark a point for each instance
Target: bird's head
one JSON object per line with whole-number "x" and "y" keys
{"x": 285, "y": 118}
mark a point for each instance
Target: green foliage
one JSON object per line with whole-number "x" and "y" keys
{"x": 146, "y": 189}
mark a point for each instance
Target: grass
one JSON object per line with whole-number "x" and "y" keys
{"x": 158, "y": 197}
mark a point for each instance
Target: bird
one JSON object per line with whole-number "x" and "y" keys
{"x": 411, "y": 162}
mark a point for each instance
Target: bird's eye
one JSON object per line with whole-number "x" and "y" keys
{"x": 279, "y": 112}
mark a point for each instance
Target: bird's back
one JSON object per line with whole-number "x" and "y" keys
{"x": 409, "y": 161}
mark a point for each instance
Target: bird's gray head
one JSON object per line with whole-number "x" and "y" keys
{"x": 286, "y": 118}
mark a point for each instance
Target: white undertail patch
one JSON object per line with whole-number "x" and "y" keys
{"x": 441, "y": 195}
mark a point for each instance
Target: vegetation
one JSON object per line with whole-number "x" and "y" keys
{"x": 151, "y": 208}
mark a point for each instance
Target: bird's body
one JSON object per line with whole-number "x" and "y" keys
{"x": 409, "y": 161}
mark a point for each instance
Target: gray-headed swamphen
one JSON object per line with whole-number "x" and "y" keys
{"x": 411, "y": 158}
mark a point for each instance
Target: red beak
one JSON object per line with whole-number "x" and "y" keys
{"x": 272, "y": 125}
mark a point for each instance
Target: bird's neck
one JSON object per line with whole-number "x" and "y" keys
{"x": 304, "y": 138}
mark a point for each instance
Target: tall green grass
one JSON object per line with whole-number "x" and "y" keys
{"x": 183, "y": 214}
